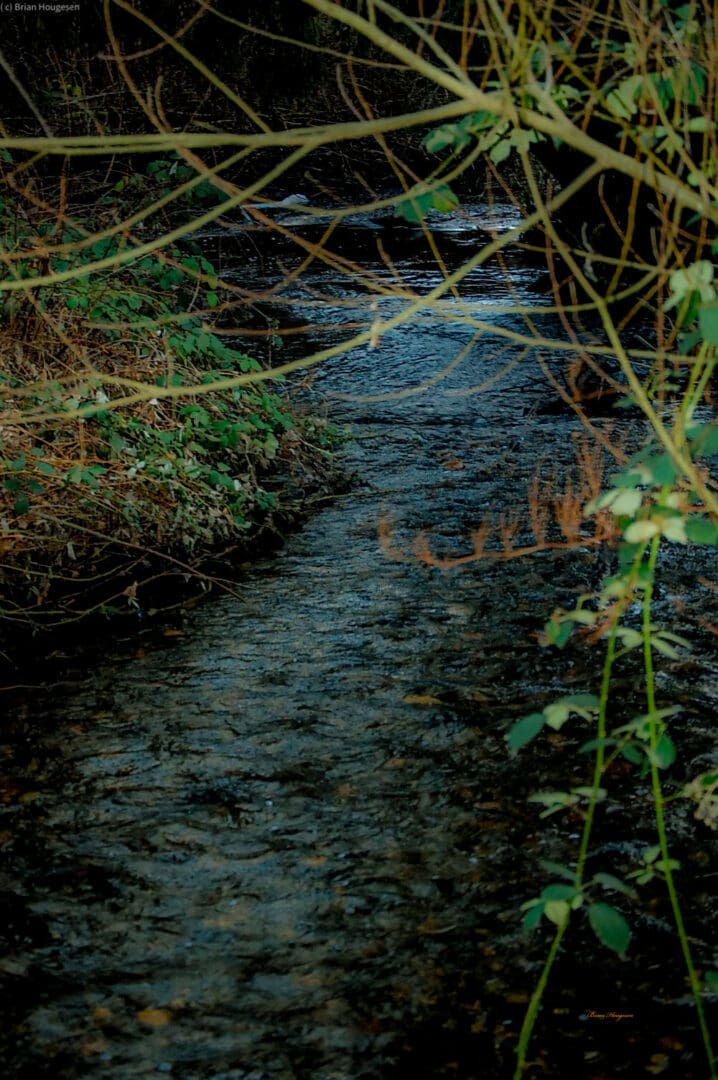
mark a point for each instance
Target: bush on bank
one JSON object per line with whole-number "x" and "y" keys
{"x": 106, "y": 485}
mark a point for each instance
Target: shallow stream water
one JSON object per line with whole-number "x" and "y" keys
{"x": 288, "y": 841}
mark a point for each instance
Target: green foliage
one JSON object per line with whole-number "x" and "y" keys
{"x": 610, "y": 927}
{"x": 553, "y": 716}
{"x": 180, "y": 474}
{"x": 417, "y": 204}
{"x": 162, "y": 177}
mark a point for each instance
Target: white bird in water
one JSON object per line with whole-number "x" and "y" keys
{"x": 289, "y": 201}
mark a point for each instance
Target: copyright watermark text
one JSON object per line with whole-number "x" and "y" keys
{"x": 12, "y": 8}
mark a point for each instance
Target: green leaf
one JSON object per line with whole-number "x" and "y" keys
{"x": 627, "y": 503}
{"x": 500, "y": 151}
{"x": 609, "y": 926}
{"x": 558, "y": 633}
{"x": 594, "y": 744}
{"x": 414, "y": 208}
{"x": 598, "y": 793}
{"x": 583, "y": 616}
{"x": 674, "y": 529}
{"x": 444, "y": 200}
{"x": 557, "y": 891}
{"x": 622, "y": 101}
{"x": 638, "y": 532}
{"x": 448, "y": 135}
{"x": 557, "y": 911}
{"x": 533, "y": 916}
{"x": 630, "y": 638}
{"x": 662, "y": 469}
{"x": 711, "y": 978}
{"x": 584, "y": 701}
{"x": 661, "y": 646}
{"x": 608, "y": 881}
{"x": 703, "y": 440}
{"x": 22, "y": 504}
{"x": 524, "y": 731}
{"x": 557, "y": 868}
{"x": 630, "y": 479}
{"x": 695, "y": 278}
{"x": 664, "y": 753}
{"x": 553, "y": 801}
{"x": 708, "y": 322}
{"x": 701, "y": 530}
{"x": 417, "y": 204}
{"x": 556, "y": 714}
{"x": 632, "y": 754}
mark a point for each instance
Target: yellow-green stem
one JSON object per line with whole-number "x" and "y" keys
{"x": 655, "y": 733}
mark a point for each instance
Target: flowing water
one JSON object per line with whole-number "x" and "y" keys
{"x": 274, "y": 845}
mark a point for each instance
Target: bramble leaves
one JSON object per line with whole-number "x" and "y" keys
{"x": 610, "y": 927}
{"x": 525, "y": 731}
{"x": 554, "y": 716}
{"x": 417, "y": 204}
{"x": 698, "y": 277}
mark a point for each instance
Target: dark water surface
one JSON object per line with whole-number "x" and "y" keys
{"x": 290, "y": 842}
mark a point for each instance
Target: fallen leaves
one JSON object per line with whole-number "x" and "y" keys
{"x": 421, "y": 699}
{"x": 152, "y": 1017}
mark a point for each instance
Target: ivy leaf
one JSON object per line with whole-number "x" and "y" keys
{"x": 610, "y": 927}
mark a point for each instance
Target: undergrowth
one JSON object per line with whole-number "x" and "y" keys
{"x": 91, "y": 506}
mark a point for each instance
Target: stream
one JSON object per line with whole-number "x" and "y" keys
{"x": 287, "y": 840}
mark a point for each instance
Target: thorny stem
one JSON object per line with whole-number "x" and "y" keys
{"x": 536, "y": 998}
